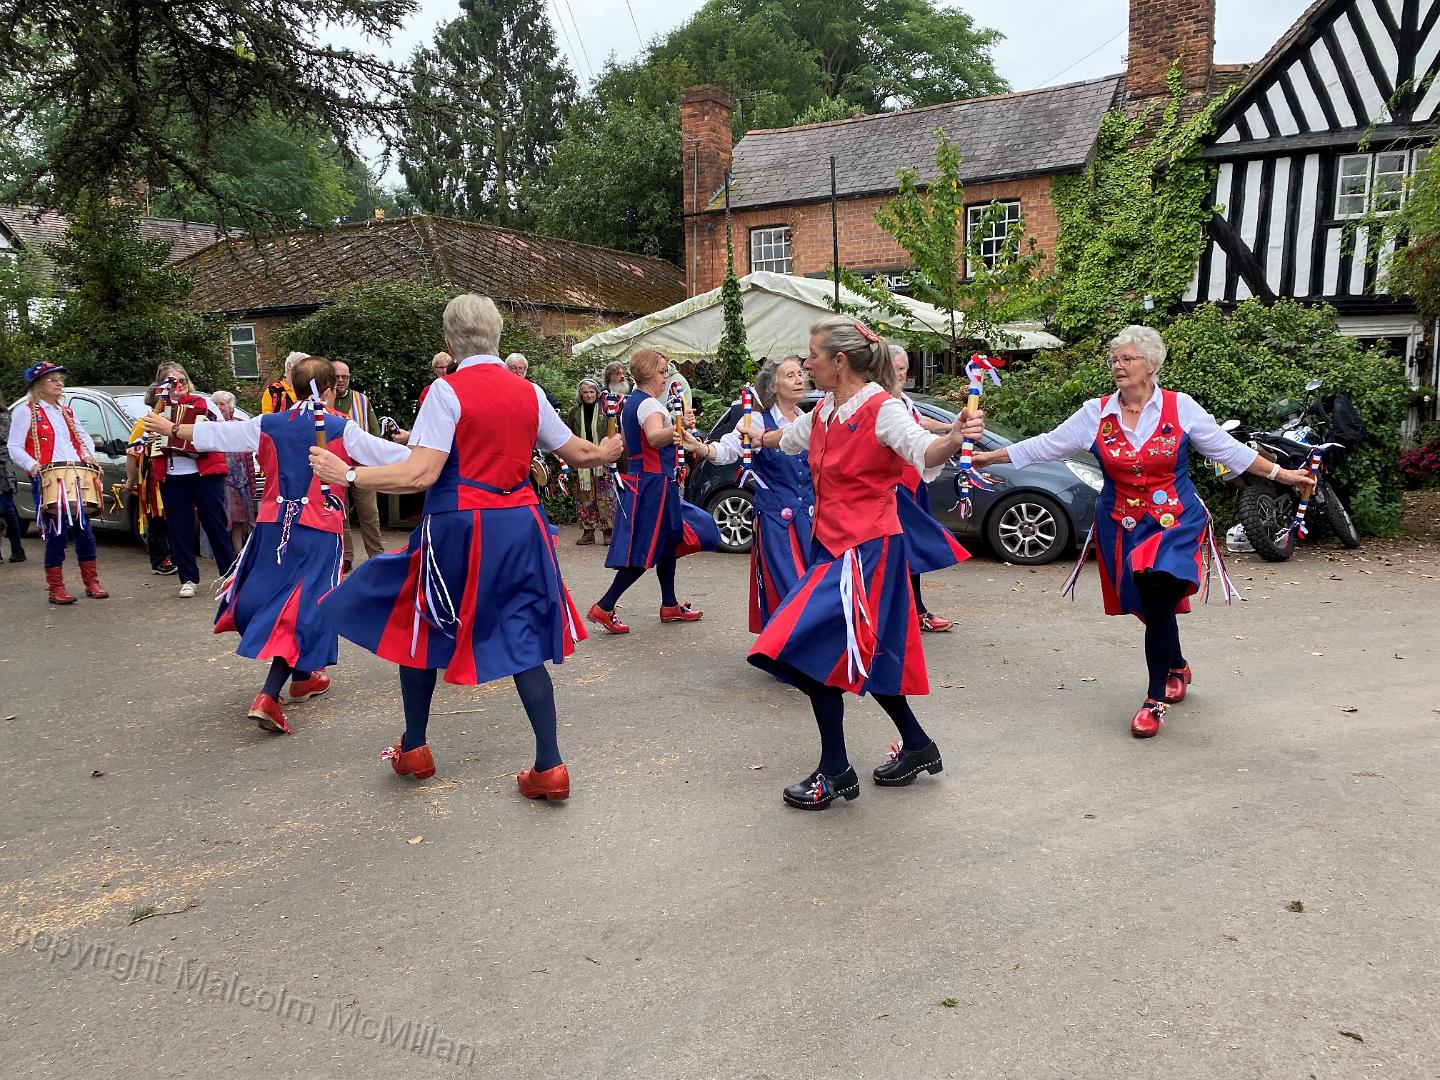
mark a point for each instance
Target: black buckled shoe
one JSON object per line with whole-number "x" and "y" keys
{"x": 817, "y": 791}
{"x": 904, "y": 765}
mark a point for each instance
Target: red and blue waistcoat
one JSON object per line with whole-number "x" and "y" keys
{"x": 489, "y": 463}
{"x": 855, "y": 476}
{"x": 1148, "y": 481}
{"x": 643, "y": 457}
{"x": 284, "y": 452}
{"x": 41, "y": 440}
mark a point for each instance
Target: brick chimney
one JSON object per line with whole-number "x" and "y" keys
{"x": 1165, "y": 32}
{"x": 704, "y": 143}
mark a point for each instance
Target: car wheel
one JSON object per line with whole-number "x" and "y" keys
{"x": 1028, "y": 528}
{"x": 734, "y": 512}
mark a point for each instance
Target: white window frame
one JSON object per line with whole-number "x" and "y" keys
{"x": 771, "y": 249}
{"x": 251, "y": 344}
{"x": 1376, "y": 177}
{"x": 990, "y": 245}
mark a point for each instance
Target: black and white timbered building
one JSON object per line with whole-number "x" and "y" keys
{"x": 1317, "y": 144}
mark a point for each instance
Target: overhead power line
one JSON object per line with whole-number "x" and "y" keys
{"x": 1082, "y": 59}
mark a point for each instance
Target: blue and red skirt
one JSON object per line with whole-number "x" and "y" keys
{"x": 653, "y": 522}
{"x": 849, "y": 623}
{"x": 777, "y": 561}
{"x": 928, "y": 544}
{"x": 272, "y": 600}
{"x": 476, "y": 592}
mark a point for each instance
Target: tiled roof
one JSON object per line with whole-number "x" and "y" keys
{"x": 36, "y": 229}
{"x": 1037, "y": 132}
{"x": 310, "y": 267}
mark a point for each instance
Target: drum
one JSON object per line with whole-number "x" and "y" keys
{"x": 72, "y": 482}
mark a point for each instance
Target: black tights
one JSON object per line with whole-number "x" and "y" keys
{"x": 280, "y": 673}
{"x": 537, "y": 694}
{"x": 828, "y": 702}
{"x": 915, "y": 590}
{"x": 628, "y": 575}
{"x": 1159, "y": 593}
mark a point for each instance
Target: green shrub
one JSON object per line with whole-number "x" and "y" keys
{"x": 1238, "y": 364}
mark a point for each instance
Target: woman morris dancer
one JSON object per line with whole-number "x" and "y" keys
{"x": 292, "y": 557}
{"x": 1153, "y": 535}
{"x": 928, "y": 544}
{"x": 850, "y": 623}
{"x": 654, "y": 525}
{"x": 784, "y": 495}
{"x": 478, "y": 590}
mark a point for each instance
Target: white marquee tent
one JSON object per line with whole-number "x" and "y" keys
{"x": 779, "y": 310}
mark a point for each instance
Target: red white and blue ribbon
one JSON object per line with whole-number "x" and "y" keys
{"x": 747, "y": 409}
{"x": 317, "y": 409}
{"x": 611, "y": 405}
{"x": 676, "y": 403}
{"x": 968, "y": 476}
{"x": 1299, "y": 527}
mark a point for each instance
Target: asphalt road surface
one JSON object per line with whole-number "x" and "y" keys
{"x": 1252, "y": 894}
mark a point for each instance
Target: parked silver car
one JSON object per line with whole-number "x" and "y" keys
{"x": 108, "y": 413}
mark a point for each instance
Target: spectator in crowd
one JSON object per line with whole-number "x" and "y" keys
{"x": 7, "y": 494}
{"x": 142, "y": 480}
{"x": 239, "y": 480}
{"x": 356, "y": 405}
{"x": 441, "y": 364}
{"x": 280, "y": 394}
{"x": 593, "y": 489}
{"x": 518, "y": 365}
{"x": 615, "y": 380}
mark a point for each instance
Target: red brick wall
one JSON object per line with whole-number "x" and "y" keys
{"x": 1162, "y": 32}
{"x": 863, "y": 244}
{"x": 705, "y": 142}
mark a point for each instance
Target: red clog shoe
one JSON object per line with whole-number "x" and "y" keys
{"x": 266, "y": 712}
{"x": 417, "y": 763}
{"x": 305, "y": 689}
{"x": 608, "y": 619}
{"x": 930, "y": 623}
{"x": 552, "y": 784}
{"x": 1177, "y": 685}
{"x": 1148, "y": 718}
{"x": 680, "y": 613}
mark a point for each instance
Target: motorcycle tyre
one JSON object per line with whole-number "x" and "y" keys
{"x": 1338, "y": 518}
{"x": 1253, "y": 518}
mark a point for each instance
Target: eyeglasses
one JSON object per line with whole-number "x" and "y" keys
{"x": 1124, "y": 361}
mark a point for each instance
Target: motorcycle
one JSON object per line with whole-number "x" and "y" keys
{"x": 1267, "y": 507}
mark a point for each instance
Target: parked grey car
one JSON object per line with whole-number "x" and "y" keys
{"x": 1032, "y": 516}
{"x": 108, "y": 413}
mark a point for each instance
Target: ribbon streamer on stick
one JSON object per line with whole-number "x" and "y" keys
{"x": 968, "y": 476}
{"x": 676, "y": 401}
{"x": 1317, "y": 455}
{"x": 610, "y": 406}
{"x": 747, "y": 408}
{"x": 317, "y": 409}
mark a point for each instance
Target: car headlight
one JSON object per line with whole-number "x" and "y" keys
{"x": 1087, "y": 474}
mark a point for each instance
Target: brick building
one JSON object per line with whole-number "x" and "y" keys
{"x": 1013, "y": 147}
{"x": 556, "y": 286}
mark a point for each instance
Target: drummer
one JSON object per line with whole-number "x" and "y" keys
{"x": 43, "y": 432}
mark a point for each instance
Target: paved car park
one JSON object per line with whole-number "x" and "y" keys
{"x": 1252, "y": 894}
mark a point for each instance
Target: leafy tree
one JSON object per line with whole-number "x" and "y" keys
{"x": 286, "y": 174}
{"x": 978, "y": 294}
{"x": 1414, "y": 270}
{"x": 616, "y": 177}
{"x": 484, "y": 111}
{"x": 121, "y": 314}
{"x": 115, "y": 89}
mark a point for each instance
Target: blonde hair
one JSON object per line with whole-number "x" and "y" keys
{"x": 646, "y": 364}
{"x": 867, "y": 354}
{"x": 447, "y": 358}
{"x": 472, "y": 325}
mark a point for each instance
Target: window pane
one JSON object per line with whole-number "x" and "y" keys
{"x": 990, "y": 237}
{"x": 1392, "y": 161}
{"x": 770, "y": 249}
{"x": 89, "y": 416}
{"x": 242, "y": 335}
{"x": 1355, "y": 165}
{"x": 244, "y": 362}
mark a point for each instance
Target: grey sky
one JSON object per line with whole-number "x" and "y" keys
{"x": 1046, "y": 41}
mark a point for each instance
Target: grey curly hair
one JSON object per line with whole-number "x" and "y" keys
{"x": 765, "y": 378}
{"x": 1146, "y": 341}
